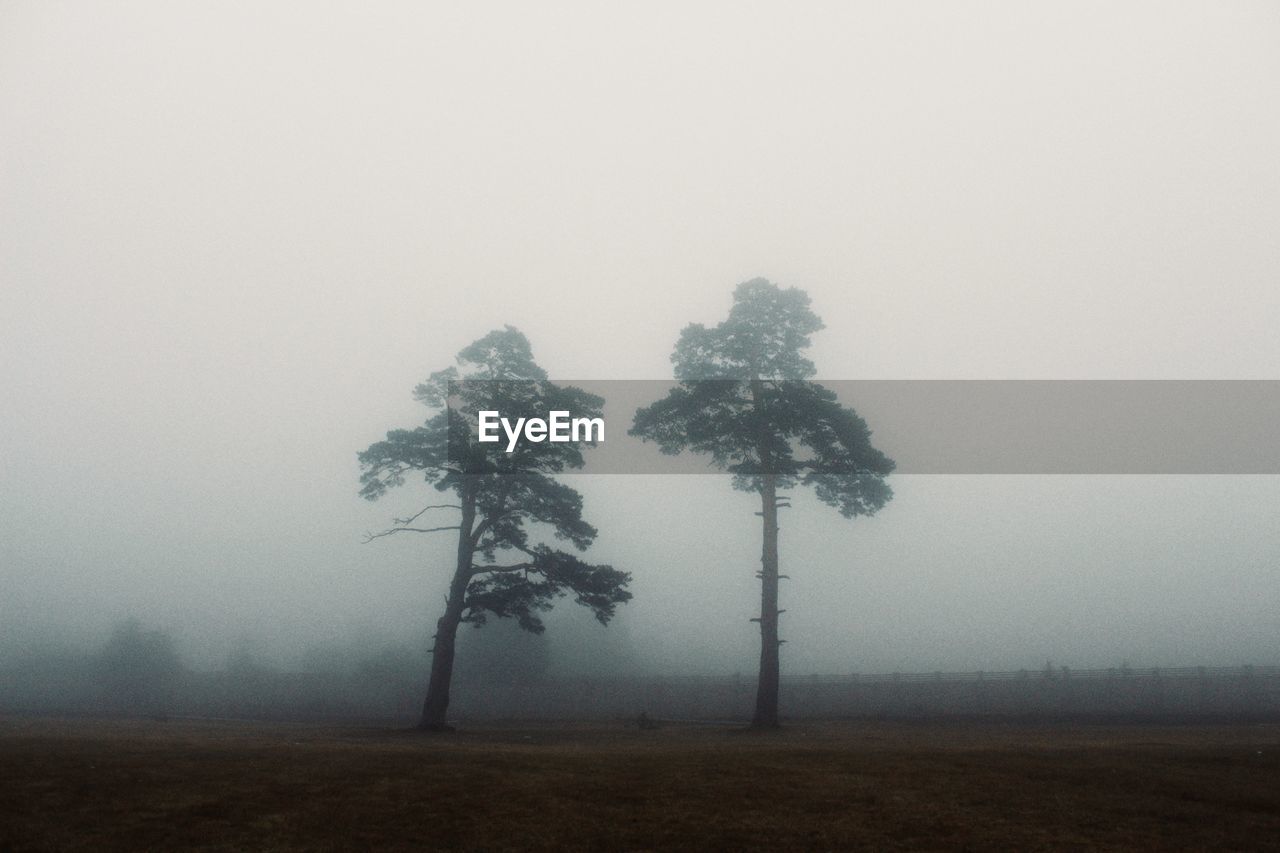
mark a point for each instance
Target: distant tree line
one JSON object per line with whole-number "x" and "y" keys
{"x": 138, "y": 670}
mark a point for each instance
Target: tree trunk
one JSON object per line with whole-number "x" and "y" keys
{"x": 436, "y": 705}
{"x": 766, "y": 716}
{"x": 437, "y": 702}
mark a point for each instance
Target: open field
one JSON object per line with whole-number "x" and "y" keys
{"x": 141, "y": 784}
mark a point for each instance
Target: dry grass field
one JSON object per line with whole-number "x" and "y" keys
{"x": 147, "y": 785}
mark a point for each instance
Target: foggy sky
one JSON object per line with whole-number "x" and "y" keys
{"x": 233, "y": 238}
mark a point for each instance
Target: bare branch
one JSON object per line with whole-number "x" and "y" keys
{"x": 369, "y": 537}
{"x": 411, "y": 519}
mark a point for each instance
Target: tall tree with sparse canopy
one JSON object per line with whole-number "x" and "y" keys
{"x": 745, "y": 399}
{"x": 495, "y": 494}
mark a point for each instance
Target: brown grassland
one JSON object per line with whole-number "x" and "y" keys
{"x": 72, "y": 784}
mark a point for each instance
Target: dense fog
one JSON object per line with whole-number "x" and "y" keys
{"x": 236, "y": 237}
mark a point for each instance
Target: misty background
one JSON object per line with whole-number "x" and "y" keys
{"x": 234, "y": 237}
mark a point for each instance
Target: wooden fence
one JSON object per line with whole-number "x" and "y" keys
{"x": 1245, "y": 691}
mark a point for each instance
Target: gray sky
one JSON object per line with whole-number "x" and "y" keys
{"x": 232, "y": 238}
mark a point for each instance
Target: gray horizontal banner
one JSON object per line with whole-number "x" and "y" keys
{"x": 1003, "y": 426}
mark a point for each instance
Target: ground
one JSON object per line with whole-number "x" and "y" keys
{"x": 68, "y": 784}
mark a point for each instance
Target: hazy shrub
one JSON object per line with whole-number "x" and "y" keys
{"x": 138, "y": 668}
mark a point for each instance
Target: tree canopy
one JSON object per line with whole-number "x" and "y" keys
{"x": 508, "y": 491}
{"x": 746, "y": 399}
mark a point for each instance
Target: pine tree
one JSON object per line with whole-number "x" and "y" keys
{"x": 496, "y": 496}
{"x": 745, "y": 398}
